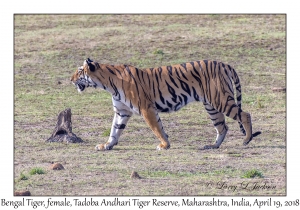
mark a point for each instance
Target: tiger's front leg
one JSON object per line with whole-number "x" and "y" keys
{"x": 153, "y": 120}
{"x": 121, "y": 117}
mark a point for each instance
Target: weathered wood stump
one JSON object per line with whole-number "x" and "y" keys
{"x": 63, "y": 129}
{"x": 22, "y": 193}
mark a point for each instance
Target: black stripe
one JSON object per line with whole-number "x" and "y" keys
{"x": 206, "y": 79}
{"x": 180, "y": 99}
{"x": 119, "y": 72}
{"x": 182, "y": 74}
{"x": 195, "y": 94}
{"x": 176, "y": 106}
{"x": 172, "y": 92}
{"x": 169, "y": 104}
{"x": 161, "y": 97}
{"x": 185, "y": 87}
{"x": 201, "y": 86}
{"x": 235, "y": 116}
{"x": 154, "y": 90}
{"x": 219, "y": 123}
{"x": 131, "y": 75}
{"x": 176, "y": 72}
{"x": 173, "y": 81}
{"x": 214, "y": 74}
{"x": 216, "y": 112}
{"x": 115, "y": 89}
{"x": 160, "y": 71}
{"x": 101, "y": 75}
{"x": 184, "y": 98}
{"x": 229, "y": 111}
{"x": 137, "y": 73}
{"x": 119, "y": 126}
{"x": 130, "y": 104}
{"x": 184, "y": 66}
{"x": 160, "y": 108}
{"x": 199, "y": 64}
{"x": 195, "y": 70}
{"x": 148, "y": 80}
{"x": 159, "y": 120}
{"x": 143, "y": 76}
{"x": 239, "y": 114}
{"x": 111, "y": 71}
{"x": 207, "y": 109}
{"x": 169, "y": 68}
{"x": 123, "y": 115}
{"x": 156, "y": 79}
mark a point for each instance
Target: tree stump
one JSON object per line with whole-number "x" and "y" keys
{"x": 22, "y": 193}
{"x": 63, "y": 129}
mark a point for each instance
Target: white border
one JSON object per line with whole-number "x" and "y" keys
{"x": 6, "y": 85}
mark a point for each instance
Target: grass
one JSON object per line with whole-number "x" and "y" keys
{"x": 48, "y": 49}
{"x": 36, "y": 170}
{"x": 23, "y": 177}
{"x": 106, "y": 132}
{"x": 252, "y": 174}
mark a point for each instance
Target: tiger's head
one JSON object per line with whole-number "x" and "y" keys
{"x": 81, "y": 78}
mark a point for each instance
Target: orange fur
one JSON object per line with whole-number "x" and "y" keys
{"x": 165, "y": 89}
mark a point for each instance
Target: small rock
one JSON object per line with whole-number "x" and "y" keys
{"x": 135, "y": 175}
{"x": 56, "y": 166}
{"x": 22, "y": 193}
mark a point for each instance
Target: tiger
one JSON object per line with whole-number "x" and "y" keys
{"x": 148, "y": 92}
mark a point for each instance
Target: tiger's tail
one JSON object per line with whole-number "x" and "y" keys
{"x": 238, "y": 89}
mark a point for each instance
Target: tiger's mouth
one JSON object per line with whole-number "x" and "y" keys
{"x": 80, "y": 87}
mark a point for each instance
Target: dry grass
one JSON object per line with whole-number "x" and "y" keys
{"x": 48, "y": 49}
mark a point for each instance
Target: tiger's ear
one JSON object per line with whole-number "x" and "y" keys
{"x": 88, "y": 62}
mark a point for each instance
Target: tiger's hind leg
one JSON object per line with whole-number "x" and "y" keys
{"x": 218, "y": 120}
{"x": 153, "y": 120}
{"x": 121, "y": 117}
{"x": 242, "y": 128}
{"x": 235, "y": 112}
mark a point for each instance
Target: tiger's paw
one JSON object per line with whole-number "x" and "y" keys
{"x": 247, "y": 141}
{"x": 103, "y": 147}
{"x": 211, "y": 147}
{"x": 163, "y": 147}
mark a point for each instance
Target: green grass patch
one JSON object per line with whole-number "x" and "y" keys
{"x": 36, "y": 170}
{"x": 106, "y": 132}
{"x": 252, "y": 174}
{"x": 23, "y": 177}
